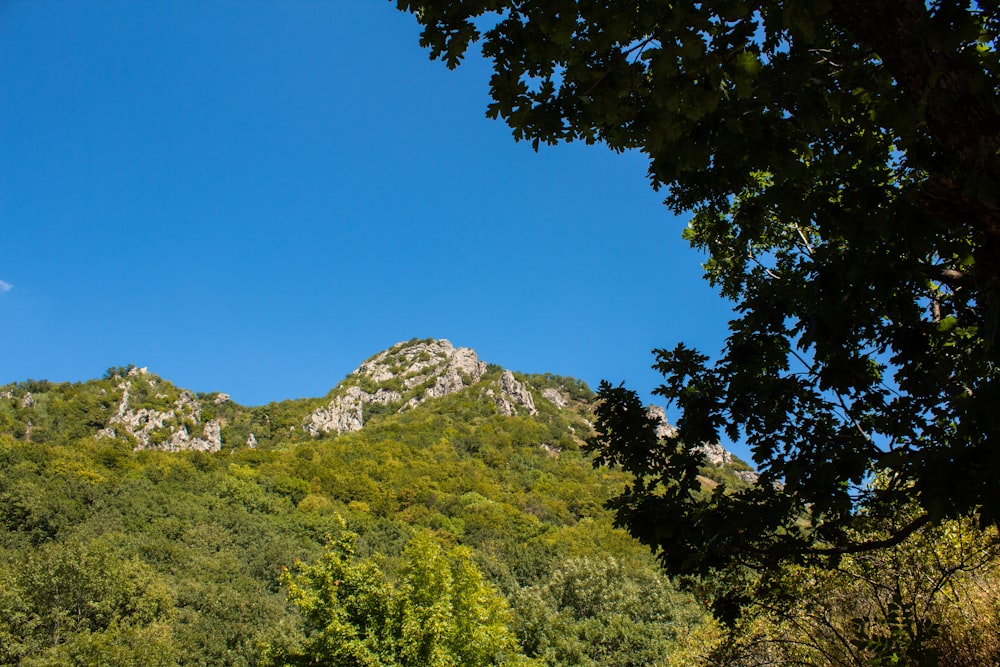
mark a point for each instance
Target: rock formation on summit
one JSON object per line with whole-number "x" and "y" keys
{"x": 404, "y": 376}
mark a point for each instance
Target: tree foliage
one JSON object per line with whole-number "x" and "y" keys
{"x": 932, "y": 600}
{"x": 591, "y": 612}
{"x": 114, "y": 556}
{"x": 442, "y": 612}
{"x": 77, "y": 604}
{"x": 841, "y": 164}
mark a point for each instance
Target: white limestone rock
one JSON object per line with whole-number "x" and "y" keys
{"x": 416, "y": 362}
{"x": 447, "y": 383}
{"x": 714, "y": 453}
{"x": 663, "y": 427}
{"x": 555, "y": 397}
{"x": 344, "y": 413}
{"x": 512, "y": 393}
{"x": 147, "y": 425}
{"x": 423, "y": 369}
{"x": 382, "y": 396}
{"x": 504, "y": 406}
{"x": 180, "y": 440}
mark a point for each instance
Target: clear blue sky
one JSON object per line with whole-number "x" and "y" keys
{"x": 252, "y": 197}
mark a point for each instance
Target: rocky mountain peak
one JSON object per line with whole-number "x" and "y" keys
{"x": 151, "y": 413}
{"x": 415, "y": 362}
{"x": 406, "y": 375}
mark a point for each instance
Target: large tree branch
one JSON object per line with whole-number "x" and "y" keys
{"x": 872, "y": 545}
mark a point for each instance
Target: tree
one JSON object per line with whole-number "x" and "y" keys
{"x": 932, "y": 600}
{"x": 840, "y": 161}
{"x": 442, "y": 612}
{"x": 591, "y": 612}
{"x": 83, "y": 604}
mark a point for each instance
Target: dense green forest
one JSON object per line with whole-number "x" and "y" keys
{"x": 447, "y": 531}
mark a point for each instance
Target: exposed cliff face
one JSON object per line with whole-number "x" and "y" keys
{"x": 510, "y": 394}
{"x": 406, "y": 375}
{"x": 346, "y": 412}
{"x": 555, "y": 397}
{"x": 168, "y": 429}
{"x": 663, "y": 428}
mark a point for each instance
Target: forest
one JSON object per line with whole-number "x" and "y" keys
{"x": 443, "y": 534}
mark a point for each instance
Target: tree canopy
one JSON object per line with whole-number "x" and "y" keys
{"x": 840, "y": 165}
{"x": 442, "y": 613}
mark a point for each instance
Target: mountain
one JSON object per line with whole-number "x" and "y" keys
{"x": 406, "y": 375}
{"x": 151, "y": 413}
{"x": 143, "y": 523}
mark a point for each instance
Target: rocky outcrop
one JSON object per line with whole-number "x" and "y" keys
{"x": 555, "y": 397}
{"x": 511, "y": 393}
{"x": 715, "y": 453}
{"x": 166, "y": 430}
{"x": 416, "y": 362}
{"x": 180, "y": 440}
{"x": 346, "y": 412}
{"x": 410, "y": 372}
{"x": 663, "y": 428}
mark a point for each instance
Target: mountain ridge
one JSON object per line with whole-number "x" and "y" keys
{"x": 150, "y": 412}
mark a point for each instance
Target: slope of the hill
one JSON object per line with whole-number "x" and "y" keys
{"x": 141, "y": 523}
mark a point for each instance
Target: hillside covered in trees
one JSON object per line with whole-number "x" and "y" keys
{"x": 432, "y": 509}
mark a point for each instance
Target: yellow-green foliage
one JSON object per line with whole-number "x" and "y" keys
{"x": 468, "y": 525}
{"x": 506, "y": 499}
{"x": 437, "y": 611}
{"x": 932, "y": 600}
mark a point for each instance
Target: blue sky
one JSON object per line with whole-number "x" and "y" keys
{"x": 252, "y": 197}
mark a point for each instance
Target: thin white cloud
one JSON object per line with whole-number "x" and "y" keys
{"x": 5, "y": 286}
